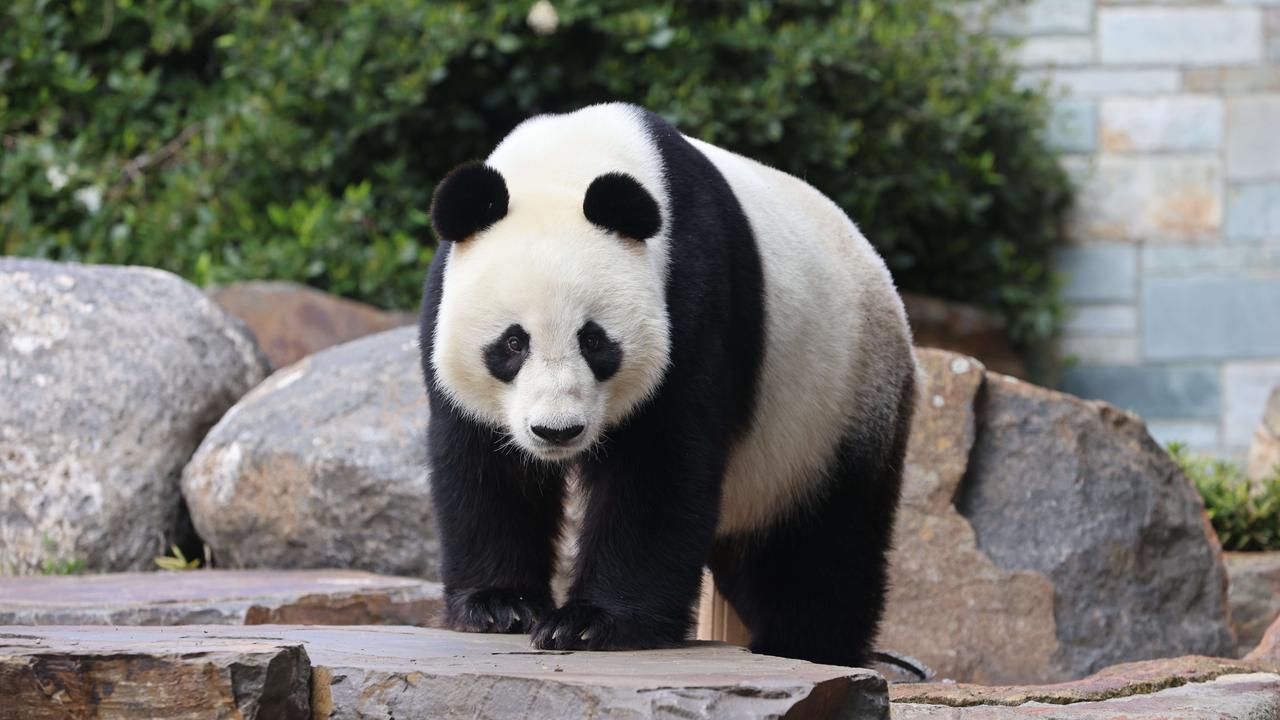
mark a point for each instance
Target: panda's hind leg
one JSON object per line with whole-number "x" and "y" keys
{"x": 813, "y": 585}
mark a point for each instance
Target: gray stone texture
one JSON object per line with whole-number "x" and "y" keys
{"x": 1179, "y": 36}
{"x": 1207, "y": 317}
{"x": 1163, "y": 391}
{"x": 1080, "y": 492}
{"x": 1096, "y": 82}
{"x": 1253, "y": 123}
{"x": 1154, "y": 198}
{"x": 323, "y": 465}
{"x": 1245, "y": 387}
{"x": 220, "y": 597}
{"x": 1105, "y": 272}
{"x": 109, "y": 378}
{"x": 1251, "y": 696}
{"x": 399, "y": 672}
{"x": 1042, "y": 17}
{"x": 1254, "y": 595}
{"x": 1182, "y": 123}
{"x": 1073, "y": 126}
{"x": 1253, "y": 211}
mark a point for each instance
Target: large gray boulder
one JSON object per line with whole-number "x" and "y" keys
{"x": 109, "y": 378}
{"x": 323, "y": 465}
{"x": 1043, "y": 537}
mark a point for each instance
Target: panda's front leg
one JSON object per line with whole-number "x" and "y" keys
{"x": 647, "y": 531}
{"x": 498, "y": 518}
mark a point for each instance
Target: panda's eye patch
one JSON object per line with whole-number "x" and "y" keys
{"x": 603, "y": 355}
{"x": 505, "y": 355}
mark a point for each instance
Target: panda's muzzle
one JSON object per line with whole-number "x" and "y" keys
{"x": 557, "y": 436}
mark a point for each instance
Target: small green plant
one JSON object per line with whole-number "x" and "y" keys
{"x": 177, "y": 560}
{"x": 55, "y": 563}
{"x": 1246, "y": 515}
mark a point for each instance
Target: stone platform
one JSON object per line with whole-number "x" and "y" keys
{"x": 277, "y": 671}
{"x": 220, "y": 597}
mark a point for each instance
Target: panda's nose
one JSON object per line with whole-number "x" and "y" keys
{"x": 557, "y": 436}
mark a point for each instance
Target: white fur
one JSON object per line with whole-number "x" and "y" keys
{"x": 545, "y": 267}
{"x": 828, "y": 299}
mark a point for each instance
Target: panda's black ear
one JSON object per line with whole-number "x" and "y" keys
{"x": 618, "y": 202}
{"x": 471, "y": 197}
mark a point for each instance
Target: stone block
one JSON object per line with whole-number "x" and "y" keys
{"x": 1253, "y": 212}
{"x": 1105, "y": 272}
{"x": 1181, "y": 124}
{"x": 1108, "y": 320}
{"x": 1160, "y": 391}
{"x": 1254, "y": 594}
{"x": 1210, "y": 317}
{"x": 1073, "y": 126}
{"x": 1253, "y": 138}
{"x": 217, "y": 597}
{"x": 1158, "y": 198}
{"x": 1099, "y": 82}
{"x": 1237, "y": 80}
{"x": 1199, "y": 435}
{"x": 1045, "y": 17}
{"x": 1057, "y": 51}
{"x": 1099, "y": 350}
{"x": 1259, "y": 261}
{"x": 1180, "y": 36}
{"x": 1245, "y": 388}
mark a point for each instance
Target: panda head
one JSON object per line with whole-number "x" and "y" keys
{"x": 552, "y": 324}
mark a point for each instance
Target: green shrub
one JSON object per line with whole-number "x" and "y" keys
{"x": 1246, "y": 515}
{"x": 301, "y": 140}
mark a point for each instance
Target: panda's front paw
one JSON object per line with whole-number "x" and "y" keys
{"x": 494, "y": 610}
{"x": 581, "y": 625}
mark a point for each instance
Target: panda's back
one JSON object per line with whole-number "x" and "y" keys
{"x": 836, "y": 335}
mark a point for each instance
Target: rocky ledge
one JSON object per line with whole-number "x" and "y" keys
{"x": 220, "y": 597}
{"x": 283, "y": 671}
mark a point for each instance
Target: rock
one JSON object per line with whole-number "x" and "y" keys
{"x": 949, "y": 604}
{"x": 1264, "y": 454}
{"x": 964, "y": 329}
{"x": 323, "y": 465}
{"x": 110, "y": 377}
{"x": 220, "y": 597}
{"x": 425, "y": 673}
{"x": 1254, "y": 595}
{"x": 1119, "y": 681}
{"x": 1268, "y": 649}
{"x": 1078, "y": 542}
{"x": 292, "y": 321}
{"x": 1230, "y": 697}
{"x": 109, "y": 674}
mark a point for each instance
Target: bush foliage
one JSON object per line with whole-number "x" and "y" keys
{"x": 1245, "y": 514}
{"x": 256, "y": 138}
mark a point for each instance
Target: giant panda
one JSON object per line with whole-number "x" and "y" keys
{"x": 645, "y": 355}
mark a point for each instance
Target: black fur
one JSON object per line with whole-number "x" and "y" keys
{"x": 602, "y": 353}
{"x": 811, "y": 587}
{"x": 618, "y": 202}
{"x": 471, "y": 197}
{"x": 502, "y": 359}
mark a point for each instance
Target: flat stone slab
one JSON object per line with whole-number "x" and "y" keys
{"x": 1188, "y": 687}
{"x": 404, "y": 672}
{"x": 220, "y": 597}
{"x": 1253, "y": 696}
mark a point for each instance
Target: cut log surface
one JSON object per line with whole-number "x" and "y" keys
{"x": 402, "y": 672}
{"x": 220, "y": 597}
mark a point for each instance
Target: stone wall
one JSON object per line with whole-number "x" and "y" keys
{"x": 1168, "y": 116}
